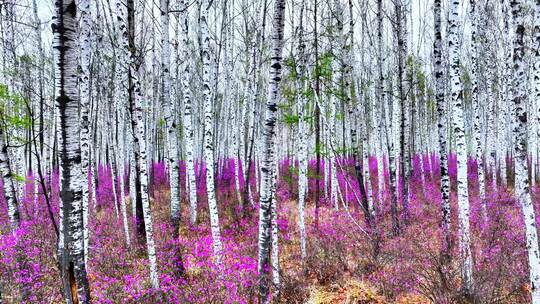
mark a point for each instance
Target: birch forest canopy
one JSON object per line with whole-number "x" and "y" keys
{"x": 269, "y": 151}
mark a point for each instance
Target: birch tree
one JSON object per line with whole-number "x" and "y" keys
{"x": 71, "y": 243}
{"x": 461, "y": 149}
{"x": 10, "y": 192}
{"x": 441, "y": 125}
{"x": 169, "y": 105}
{"x": 209, "y": 133}
{"x": 381, "y": 94}
{"x": 121, "y": 101}
{"x": 85, "y": 49}
{"x": 475, "y": 102}
{"x": 268, "y": 161}
{"x": 523, "y": 184}
{"x": 401, "y": 37}
{"x": 536, "y": 84}
{"x": 141, "y": 157}
{"x": 302, "y": 133}
{"x": 188, "y": 124}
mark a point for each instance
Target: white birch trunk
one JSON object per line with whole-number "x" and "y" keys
{"x": 71, "y": 244}
{"x": 141, "y": 158}
{"x": 441, "y": 123}
{"x": 476, "y": 106}
{"x": 137, "y": 116}
{"x": 520, "y": 134}
{"x": 169, "y": 105}
{"x": 536, "y": 86}
{"x": 302, "y": 137}
{"x": 209, "y": 134}
{"x": 85, "y": 94}
{"x": 461, "y": 149}
{"x": 121, "y": 103}
{"x": 381, "y": 94}
{"x": 188, "y": 124}
{"x": 275, "y": 236}
{"x": 268, "y": 160}
{"x": 10, "y": 192}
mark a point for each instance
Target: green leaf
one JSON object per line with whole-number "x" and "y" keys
{"x": 291, "y": 119}
{"x": 19, "y": 178}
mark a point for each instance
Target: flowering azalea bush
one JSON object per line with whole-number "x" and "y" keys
{"x": 340, "y": 265}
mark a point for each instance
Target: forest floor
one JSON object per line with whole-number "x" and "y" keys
{"x": 339, "y": 268}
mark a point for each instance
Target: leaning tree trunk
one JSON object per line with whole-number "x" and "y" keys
{"x": 461, "y": 149}
{"x": 209, "y": 134}
{"x": 70, "y": 246}
{"x": 268, "y": 160}
{"x": 520, "y": 134}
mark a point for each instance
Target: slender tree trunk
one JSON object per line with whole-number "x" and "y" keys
{"x": 71, "y": 243}
{"x": 169, "y": 105}
{"x": 441, "y": 127}
{"x": 501, "y": 145}
{"x": 536, "y": 84}
{"x": 85, "y": 46}
{"x": 461, "y": 150}
{"x": 276, "y": 280}
{"x": 520, "y": 149}
{"x": 475, "y": 102}
{"x": 391, "y": 139}
{"x": 209, "y": 134}
{"x": 302, "y": 134}
{"x": 172, "y": 138}
{"x": 10, "y": 192}
{"x": 41, "y": 68}
{"x": 268, "y": 162}
{"x": 135, "y": 170}
{"x": 381, "y": 96}
{"x": 142, "y": 162}
{"x": 188, "y": 124}
{"x": 120, "y": 177}
{"x": 403, "y": 112}
{"x": 121, "y": 81}
{"x": 317, "y": 119}
{"x": 137, "y": 121}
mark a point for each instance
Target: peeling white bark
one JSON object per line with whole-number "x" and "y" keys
{"x": 170, "y": 117}
{"x": 268, "y": 159}
{"x": 188, "y": 124}
{"x": 71, "y": 245}
{"x": 461, "y": 149}
{"x": 302, "y": 136}
{"x": 520, "y": 134}
{"x": 209, "y": 135}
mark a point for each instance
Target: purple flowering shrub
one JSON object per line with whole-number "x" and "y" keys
{"x": 407, "y": 269}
